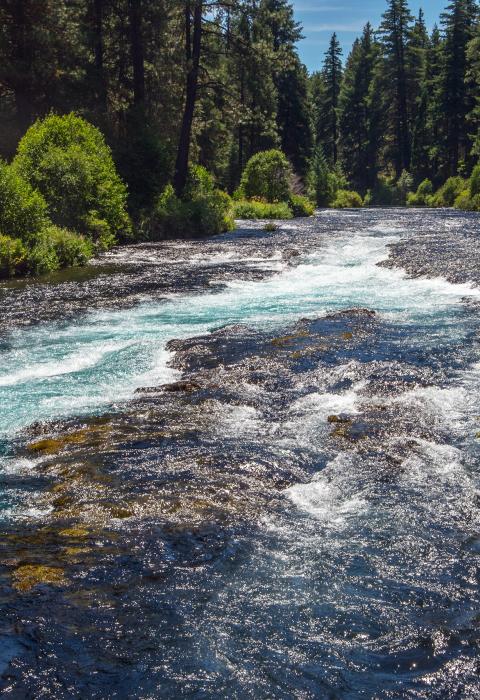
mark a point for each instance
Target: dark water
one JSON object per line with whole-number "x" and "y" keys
{"x": 295, "y": 514}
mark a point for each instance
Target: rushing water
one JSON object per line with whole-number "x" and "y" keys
{"x": 362, "y": 581}
{"x": 56, "y": 370}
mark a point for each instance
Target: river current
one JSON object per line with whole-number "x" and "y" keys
{"x": 247, "y": 467}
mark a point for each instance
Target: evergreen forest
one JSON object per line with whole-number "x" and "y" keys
{"x": 124, "y": 119}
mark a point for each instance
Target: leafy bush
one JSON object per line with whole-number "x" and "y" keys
{"x": 67, "y": 160}
{"x": 475, "y": 181}
{"x": 420, "y": 197}
{"x": 23, "y": 212}
{"x": 469, "y": 198}
{"x": 300, "y": 206}
{"x": 346, "y": 199}
{"x": 464, "y": 201}
{"x": 267, "y": 175}
{"x": 448, "y": 193}
{"x": 403, "y": 187}
{"x": 70, "y": 248}
{"x": 203, "y": 210}
{"x": 13, "y": 257}
{"x": 42, "y": 258}
{"x": 261, "y": 210}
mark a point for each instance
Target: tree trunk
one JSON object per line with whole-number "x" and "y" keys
{"x": 240, "y": 127}
{"x": 193, "y": 48}
{"x": 138, "y": 65}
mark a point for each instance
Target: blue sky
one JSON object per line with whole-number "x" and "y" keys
{"x": 320, "y": 18}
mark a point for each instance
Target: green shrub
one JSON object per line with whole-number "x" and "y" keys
{"x": 99, "y": 232}
{"x": 261, "y": 210}
{"x": 68, "y": 161}
{"x": 300, "y": 206}
{"x": 475, "y": 202}
{"x": 23, "y": 212}
{"x": 42, "y": 257}
{"x": 70, "y": 248}
{"x": 402, "y": 188}
{"x": 448, "y": 193}
{"x": 475, "y": 181}
{"x": 463, "y": 201}
{"x": 420, "y": 197}
{"x": 466, "y": 202}
{"x": 267, "y": 175}
{"x": 203, "y": 210}
{"x": 346, "y": 199}
{"x": 13, "y": 257}
{"x": 212, "y": 214}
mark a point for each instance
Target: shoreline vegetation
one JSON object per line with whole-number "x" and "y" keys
{"x": 98, "y": 147}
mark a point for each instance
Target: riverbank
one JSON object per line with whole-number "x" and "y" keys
{"x": 268, "y": 435}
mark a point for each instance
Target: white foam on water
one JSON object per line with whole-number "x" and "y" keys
{"x": 76, "y": 362}
{"x": 329, "y": 497}
{"x": 103, "y": 358}
{"x": 18, "y": 465}
{"x": 239, "y": 421}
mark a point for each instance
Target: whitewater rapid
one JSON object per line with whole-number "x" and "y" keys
{"x": 55, "y": 370}
{"x": 299, "y": 518}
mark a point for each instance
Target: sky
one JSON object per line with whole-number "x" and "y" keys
{"x": 320, "y": 18}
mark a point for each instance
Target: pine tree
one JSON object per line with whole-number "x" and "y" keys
{"x": 317, "y": 91}
{"x": 473, "y": 85}
{"x": 294, "y": 117}
{"x": 432, "y": 95}
{"x": 328, "y": 111}
{"x": 358, "y": 134}
{"x": 277, "y": 27}
{"x": 395, "y": 31}
{"x": 321, "y": 182}
{"x": 418, "y": 96}
{"x": 458, "y": 20}
{"x": 416, "y": 64}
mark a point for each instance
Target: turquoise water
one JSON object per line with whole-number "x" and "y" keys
{"x": 57, "y": 370}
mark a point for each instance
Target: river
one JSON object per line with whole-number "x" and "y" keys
{"x": 246, "y": 467}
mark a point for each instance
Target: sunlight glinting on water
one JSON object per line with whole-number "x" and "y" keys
{"x": 69, "y": 368}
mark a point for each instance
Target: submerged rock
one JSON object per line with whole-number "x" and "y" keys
{"x": 28, "y": 576}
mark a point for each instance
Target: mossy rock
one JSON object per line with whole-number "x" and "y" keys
{"x": 339, "y": 419}
{"x": 342, "y": 431}
{"x": 76, "y": 551}
{"x": 28, "y": 576}
{"x": 52, "y": 446}
{"x": 120, "y": 513}
{"x": 75, "y": 533}
{"x": 309, "y": 351}
{"x": 287, "y": 339}
{"x": 63, "y": 502}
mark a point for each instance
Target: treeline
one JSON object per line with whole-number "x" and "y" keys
{"x": 216, "y": 82}
{"x": 177, "y": 85}
{"x": 166, "y": 81}
{"x": 407, "y": 102}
